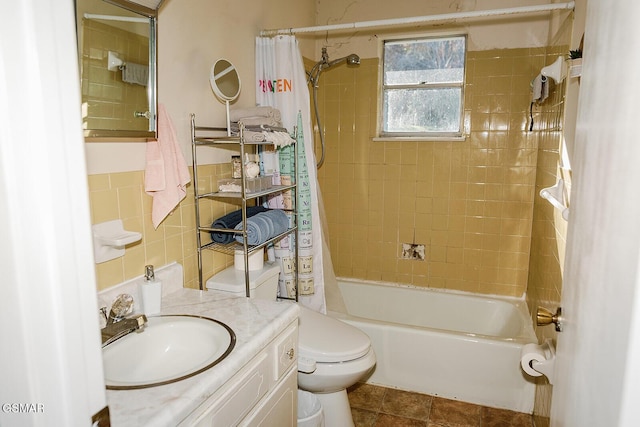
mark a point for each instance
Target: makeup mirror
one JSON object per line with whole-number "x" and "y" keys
{"x": 225, "y": 83}
{"x": 117, "y": 45}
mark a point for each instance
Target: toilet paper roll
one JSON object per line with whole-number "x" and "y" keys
{"x": 530, "y": 353}
{"x": 256, "y": 260}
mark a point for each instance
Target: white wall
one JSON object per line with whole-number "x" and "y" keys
{"x": 193, "y": 34}
{"x": 484, "y": 34}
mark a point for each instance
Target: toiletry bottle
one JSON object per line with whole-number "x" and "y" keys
{"x": 236, "y": 167}
{"x": 151, "y": 292}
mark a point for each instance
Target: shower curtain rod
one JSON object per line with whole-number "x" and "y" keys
{"x": 422, "y": 19}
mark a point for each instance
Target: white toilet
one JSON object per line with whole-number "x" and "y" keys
{"x": 332, "y": 355}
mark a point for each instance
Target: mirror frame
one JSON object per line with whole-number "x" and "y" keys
{"x": 213, "y": 80}
{"x": 108, "y": 135}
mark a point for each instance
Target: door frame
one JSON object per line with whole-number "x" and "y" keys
{"x": 51, "y": 364}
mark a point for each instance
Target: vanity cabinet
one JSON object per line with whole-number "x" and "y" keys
{"x": 262, "y": 393}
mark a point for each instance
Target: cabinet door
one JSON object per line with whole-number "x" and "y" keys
{"x": 280, "y": 408}
{"x": 242, "y": 393}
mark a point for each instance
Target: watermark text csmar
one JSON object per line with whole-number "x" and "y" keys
{"x": 22, "y": 408}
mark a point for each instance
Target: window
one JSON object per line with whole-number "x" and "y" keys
{"x": 422, "y": 87}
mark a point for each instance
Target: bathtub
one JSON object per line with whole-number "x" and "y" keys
{"x": 454, "y": 345}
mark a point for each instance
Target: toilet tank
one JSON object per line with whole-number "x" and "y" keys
{"x": 263, "y": 282}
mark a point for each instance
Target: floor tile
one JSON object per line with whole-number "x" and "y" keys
{"x": 363, "y": 418}
{"x": 492, "y": 417}
{"x": 453, "y": 413}
{"x": 386, "y": 420}
{"x": 406, "y": 404}
{"x": 366, "y": 396}
{"x": 375, "y": 406}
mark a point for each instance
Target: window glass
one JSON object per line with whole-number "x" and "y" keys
{"x": 423, "y": 82}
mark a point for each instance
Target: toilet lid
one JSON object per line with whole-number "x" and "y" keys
{"x": 325, "y": 339}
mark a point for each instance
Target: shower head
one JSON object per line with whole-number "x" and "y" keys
{"x": 352, "y": 59}
{"x": 324, "y": 63}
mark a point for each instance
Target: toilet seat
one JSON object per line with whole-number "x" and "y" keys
{"x": 327, "y": 340}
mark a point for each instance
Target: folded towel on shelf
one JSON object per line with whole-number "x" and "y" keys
{"x": 251, "y": 136}
{"x": 264, "y": 226}
{"x": 279, "y": 139}
{"x": 270, "y": 112}
{"x": 259, "y": 125}
{"x": 230, "y": 221}
{"x": 260, "y": 121}
{"x": 259, "y": 230}
{"x": 235, "y": 128}
{"x": 135, "y": 73}
{"x": 280, "y": 220}
{"x": 166, "y": 174}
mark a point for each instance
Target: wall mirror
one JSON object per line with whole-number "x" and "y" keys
{"x": 225, "y": 83}
{"x": 117, "y": 45}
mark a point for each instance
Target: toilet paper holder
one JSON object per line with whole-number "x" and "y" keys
{"x": 545, "y": 317}
{"x": 538, "y": 360}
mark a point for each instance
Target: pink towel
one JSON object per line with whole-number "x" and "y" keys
{"x": 166, "y": 174}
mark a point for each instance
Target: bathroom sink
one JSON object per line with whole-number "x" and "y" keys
{"x": 168, "y": 349}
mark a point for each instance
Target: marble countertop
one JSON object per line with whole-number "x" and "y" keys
{"x": 255, "y": 323}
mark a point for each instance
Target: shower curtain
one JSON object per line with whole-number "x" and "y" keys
{"x": 282, "y": 84}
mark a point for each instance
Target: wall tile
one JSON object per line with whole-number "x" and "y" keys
{"x": 122, "y": 196}
{"x": 465, "y": 196}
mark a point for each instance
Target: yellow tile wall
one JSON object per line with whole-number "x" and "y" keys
{"x": 549, "y": 230}
{"x": 108, "y": 102}
{"x": 122, "y": 196}
{"x": 470, "y": 203}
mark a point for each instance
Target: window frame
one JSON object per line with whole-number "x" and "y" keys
{"x": 421, "y": 136}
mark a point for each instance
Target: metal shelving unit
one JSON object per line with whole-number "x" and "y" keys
{"x": 203, "y": 136}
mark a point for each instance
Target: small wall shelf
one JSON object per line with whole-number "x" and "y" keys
{"x": 110, "y": 238}
{"x": 555, "y": 196}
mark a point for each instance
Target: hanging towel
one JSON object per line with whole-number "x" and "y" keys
{"x": 135, "y": 73}
{"x": 264, "y": 226}
{"x": 230, "y": 221}
{"x": 166, "y": 174}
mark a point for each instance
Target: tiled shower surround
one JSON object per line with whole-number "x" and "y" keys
{"x": 469, "y": 202}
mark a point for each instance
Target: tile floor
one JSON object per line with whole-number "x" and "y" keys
{"x": 374, "y": 406}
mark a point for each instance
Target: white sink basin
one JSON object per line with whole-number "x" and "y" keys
{"x": 168, "y": 349}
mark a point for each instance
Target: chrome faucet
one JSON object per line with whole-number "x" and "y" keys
{"x": 118, "y": 325}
